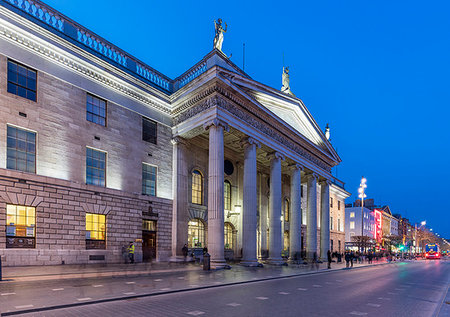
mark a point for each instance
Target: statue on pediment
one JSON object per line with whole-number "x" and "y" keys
{"x": 285, "y": 81}
{"x": 218, "y": 38}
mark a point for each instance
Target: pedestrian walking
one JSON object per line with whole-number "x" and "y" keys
{"x": 352, "y": 256}
{"x": 329, "y": 259}
{"x": 184, "y": 250}
{"x": 347, "y": 259}
{"x": 131, "y": 252}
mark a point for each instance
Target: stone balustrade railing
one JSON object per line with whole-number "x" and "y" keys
{"x": 338, "y": 183}
{"x": 191, "y": 74}
{"x": 153, "y": 76}
{"x": 40, "y": 11}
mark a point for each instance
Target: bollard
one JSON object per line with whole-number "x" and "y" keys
{"x": 206, "y": 262}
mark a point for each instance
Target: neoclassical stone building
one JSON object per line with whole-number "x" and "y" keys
{"x": 98, "y": 149}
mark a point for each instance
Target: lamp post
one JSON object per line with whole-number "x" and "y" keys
{"x": 362, "y": 195}
{"x": 423, "y": 223}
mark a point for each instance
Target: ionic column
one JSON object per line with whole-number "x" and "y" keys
{"x": 311, "y": 219}
{"x": 275, "y": 246}
{"x": 249, "y": 218}
{"x": 263, "y": 204}
{"x": 324, "y": 219}
{"x": 180, "y": 199}
{"x": 295, "y": 223}
{"x": 215, "y": 193}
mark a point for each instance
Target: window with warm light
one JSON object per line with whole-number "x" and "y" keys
{"x": 196, "y": 233}
{"x": 286, "y": 241}
{"x": 228, "y": 235}
{"x": 95, "y": 231}
{"x": 286, "y": 210}
{"x": 352, "y": 225}
{"x": 197, "y": 187}
{"x": 20, "y": 226}
{"x": 352, "y": 215}
{"x": 227, "y": 195}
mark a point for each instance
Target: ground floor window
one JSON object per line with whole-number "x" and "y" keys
{"x": 286, "y": 241}
{"x": 196, "y": 233}
{"x": 95, "y": 231}
{"x": 20, "y": 226}
{"x": 339, "y": 245}
{"x": 228, "y": 235}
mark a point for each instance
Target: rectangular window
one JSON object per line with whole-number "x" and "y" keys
{"x": 21, "y": 150}
{"x": 95, "y": 167}
{"x": 339, "y": 205}
{"x": 149, "y": 179}
{"x": 95, "y": 231}
{"x": 21, "y": 80}
{"x": 339, "y": 224}
{"x": 352, "y": 215}
{"x": 352, "y": 225}
{"x": 331, "y": 223}
{"x": 148, "y": 225}
{"x": 95, "y": 110}
{"x": 149, "y": 130}
{"x": 331, "y": 202}
{"x": 20, "y": 226}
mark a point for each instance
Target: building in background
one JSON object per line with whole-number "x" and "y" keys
{"x": 359, "y": 227}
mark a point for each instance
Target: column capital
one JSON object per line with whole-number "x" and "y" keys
{"x": 296, "y": 166}
{"x": 312, "y": 175}
{"x": 325, "y": 182}
{"x": 275, "y": 155}
{"x": 216, "y": 122}
{"x": 178, "y": 140}
{"x": 250, "y": 141}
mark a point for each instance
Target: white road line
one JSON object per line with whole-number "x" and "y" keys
{"x": 390, "y": 293}
{"x": 233, "y": 304}
{"x": 269, "y": 276}
{"x": 262, "y": 298}
{"x": 195, "y": 313}
{"x": 302, "y": 289}
{"x": 217, "y": 282}
{"x": 129, "y": 293}
{"x": 358, "y": 313}
{"x": 83, "y": 299}
{"x": 23, "y": 306}
{"x": 315, "y": 285}
{"x": 193, "y": 285}
{"x": 373, "y": 305}
{"x": 181, "y": 278}
{"x": 384, "y": 298}
{"x": 283, "y": 293}
{"x": 130, "y": 283}
{"x": 97, "y": 285}
{"x": 166, "y": 289}
{"x": 7, "y": 294}
{"x": 57, "y": 289}
{"x": 158, "y": 280}
{"x": 399, "y": 289}
{"x": 338, "y": 280}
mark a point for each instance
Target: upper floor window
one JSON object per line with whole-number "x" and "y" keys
{"x": 21, "y": 150}
{"x": 331, "y": 202}
{"x": 21, "y": 80}
{"x": 352, "y": 225}
{"x": 96, "y": 110}
{"x": 339, "y": 205}
{"x": 227, "y": 195}
{"x": 331, "y": 223}
{"x": 286, "y": 210}
{"x": 95, "y": 231}
{"x": 95, "y": 167}
{"x": 149, "y": 130}
{"x": 149, "y": 179}
{"x": 197, "y": 187}
{"x": 339, "y": 225}
{"x": 352, "y": 215}
{"x": 20, "y": 226}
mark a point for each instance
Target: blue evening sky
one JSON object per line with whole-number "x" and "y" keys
{"x": 376, "y": 71}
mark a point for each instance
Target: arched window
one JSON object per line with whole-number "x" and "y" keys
{"x": 227, "y": 195}
{"x": 197, "y": 187}
{"x": 286, "y": 210}
{"x": 228, "y": 235}
{"x": 196, "y": 233}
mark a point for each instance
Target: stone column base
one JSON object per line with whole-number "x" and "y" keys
{"x": 278, "y": 261}
{"x": 218, "y": 265}
{"x": 250, "y": 263}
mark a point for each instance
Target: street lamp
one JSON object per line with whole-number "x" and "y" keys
{"x": 362, "y": 195}
{"x": 423, "y": 223}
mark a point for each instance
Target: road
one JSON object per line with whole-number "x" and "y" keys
{"x": 401, "y": 289}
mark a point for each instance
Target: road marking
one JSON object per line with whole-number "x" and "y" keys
{"x": 384, "y": 298}
{"x": 390, "y": 293}
{"x": 193, "y": 285}
{"x": 181, "y": 278}
{"x": 373, "y": 305}
{"x": 166, "y": 289}
{"x": 217, "y": 283}
{"x": 399, "y": 289}
{"x": 83, "y": 299}
{"x": 233, "y": 304}
{"x": 315, "y": 285}
{"x": 328, "y": 283}
{"x": 130, "y": 283}
{"x": 97, "y": 285}
{"x": 129, "y": 293}
{"x": 255, "y": 278}
{"x": 23, "y": 306}
{"x": 262, "y": 298}
{"x": 269, "y": 276}
{"x": 338, "y": 280}
{"x": 283, "y": 293}
{"x": 195, "y": 313}
{"x": 358, "y": 313}
{"x": 158, "y": 280}
{"x": 57, "y": 289}
{"x": 302, "y": 289}
{"x": 7, "y": 294}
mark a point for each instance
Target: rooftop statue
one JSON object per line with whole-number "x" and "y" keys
{"x": 218, "y": 38}
{"x": 285, "y": 81}
{"x": 327, "y": 132}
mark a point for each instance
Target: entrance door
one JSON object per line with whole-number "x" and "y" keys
{"x": 148, "y": 245}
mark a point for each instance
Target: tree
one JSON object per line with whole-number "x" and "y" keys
{"x": 362, "y": 242}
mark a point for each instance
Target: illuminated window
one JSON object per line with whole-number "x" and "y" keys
{"x": 339, "y": 224}
{"x": 149, "y": 130}
{"x": 352, "y": 225}
{"x": 21, "y": 80}
{"x": 96, "y": 110}
{"x": 197, "y": 187}
{"x": 286, "y": 210}
{"x": 95, "y": 231}
{"x": 196, "y": 234}
{"x": 21, "y": 150}
{"x": 227, "y": 195}
{"x": 20, "y": 226}
{"x": 352, "y": 215}
{"x": 228, "y": 235}
{"x": 148, "y": 225}
{"x": 95, "y": 167}
{"x": 286, "y": 241}
{"x": 149, "y": 179}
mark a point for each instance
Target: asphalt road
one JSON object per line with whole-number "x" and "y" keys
{"x": 401, "y": 289}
